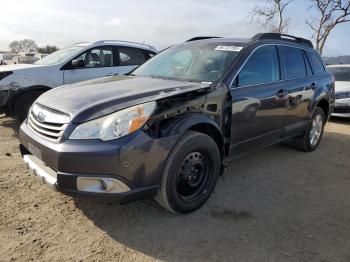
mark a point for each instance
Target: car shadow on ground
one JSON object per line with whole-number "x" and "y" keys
{"x": 340, "y": 120}
{"x": 276, "y": 204}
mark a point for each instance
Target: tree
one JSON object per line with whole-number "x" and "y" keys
{"x": 48, "y": 49}
{"x": 23, "y": 46}
{"x": 331, "y": 14}
{"x": 271, "y": 15}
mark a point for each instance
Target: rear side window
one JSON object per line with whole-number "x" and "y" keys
{"x": 292, "y": 62}
{"x": 316, "y": 63}
{"x": 261, "y": 67}
{"x": 131, "y": 56}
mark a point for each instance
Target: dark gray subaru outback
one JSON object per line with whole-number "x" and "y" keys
{"x": 168, "y": 129}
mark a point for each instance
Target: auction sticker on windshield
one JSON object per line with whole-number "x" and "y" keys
{"x": 231, "y": 48}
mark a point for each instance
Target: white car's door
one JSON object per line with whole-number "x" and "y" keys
{"x": 95, "y": 62}
{"x": 130, "y": 58}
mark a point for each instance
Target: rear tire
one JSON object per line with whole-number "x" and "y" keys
{"x": 23, "y": 104}
{"x": 313, "y": 135}
{"x": 190, "y": 173}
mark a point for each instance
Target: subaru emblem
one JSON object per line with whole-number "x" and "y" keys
{"x": 41, "y": 116}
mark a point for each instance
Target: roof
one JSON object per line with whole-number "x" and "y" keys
{"x": 118, "y": 42}
{"x": 267, "y": 37}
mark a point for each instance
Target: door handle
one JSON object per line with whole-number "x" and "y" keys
{"x": 282, "y": 93}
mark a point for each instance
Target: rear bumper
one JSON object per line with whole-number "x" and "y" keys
{"x": 132, "y": 165}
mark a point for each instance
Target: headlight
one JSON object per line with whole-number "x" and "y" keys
{"x": 5, "y": 74}
{"x": 115, "y": 125}
{"x": 342, "y": 95}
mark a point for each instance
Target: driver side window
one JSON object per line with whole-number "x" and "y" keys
{"x": 97, "y": 57}
{"x": 262, "y": 67}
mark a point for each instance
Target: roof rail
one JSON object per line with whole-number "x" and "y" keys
{"x": 201, "y": 38}
{"x": 126, "y": 42}
{"x": 299, "y": 40}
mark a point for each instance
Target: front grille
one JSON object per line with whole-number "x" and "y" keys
{"x": 48, "y": 123}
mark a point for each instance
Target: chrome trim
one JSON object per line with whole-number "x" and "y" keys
{"x": 45, "y": 174}
{"x": 281, "y": 80}
{"x": 52, "y": 116}
{"x": 51, "y": 126}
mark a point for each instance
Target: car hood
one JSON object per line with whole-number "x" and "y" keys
{"x": 18, "y": 67}
{"x": 95, "y": 98}
{"x": 342, "y": 86}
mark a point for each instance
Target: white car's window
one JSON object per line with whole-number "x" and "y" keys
{"x": 97, "y": 57}
{"x": 340, "y": 73}
{"x": 59, "y": 56}
{"x": 131, "y": 56}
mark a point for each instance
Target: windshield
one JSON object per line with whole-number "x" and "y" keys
{"x": 59, "y": 56}
{"x": 340, "y": 73}
{"x": 198, "y": 62}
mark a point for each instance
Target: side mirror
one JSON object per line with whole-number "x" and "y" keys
{"x": 77, "y": 63}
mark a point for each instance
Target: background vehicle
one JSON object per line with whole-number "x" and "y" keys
{"x": 168, "y": 129}
{"x": 20, "y": 85}
{"x": 23, "y": 60}
{"x": 342, "y": 89}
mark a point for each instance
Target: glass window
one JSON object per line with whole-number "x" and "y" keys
{"x": 97, "y": 57}
{"x": 292, "y": 62}
{"x": 340, "y": 73}
{"x": 316, "y": 64}
{"x": 131, "y": 56}
{"x": 193, "y": 61}
{"x": 60, "y": 55}
{"x": 262, "y": 67}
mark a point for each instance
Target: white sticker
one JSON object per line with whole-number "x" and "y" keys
{"x": 230, "y": 48}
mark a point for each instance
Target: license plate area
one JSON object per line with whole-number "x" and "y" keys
{"x": 34, "y": 150}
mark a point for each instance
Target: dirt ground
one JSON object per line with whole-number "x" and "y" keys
{"x": 277, "y": 204}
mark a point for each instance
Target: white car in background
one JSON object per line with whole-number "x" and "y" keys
{"x": 342, "y": 89}
{"x": 21, "y": 85}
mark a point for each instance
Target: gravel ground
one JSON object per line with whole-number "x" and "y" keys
{"x": 276, "y": 204}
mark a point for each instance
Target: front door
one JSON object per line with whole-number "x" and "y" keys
{"x": 258, "y": 102}
{"x": 98, "y": 62}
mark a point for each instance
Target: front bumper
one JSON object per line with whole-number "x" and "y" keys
{"x": 73, "y": 167}
{"x": 342, "y": 107}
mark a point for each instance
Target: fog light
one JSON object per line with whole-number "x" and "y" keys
{"x": 101, "y": 185}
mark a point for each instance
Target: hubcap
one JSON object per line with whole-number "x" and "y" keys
{"x": 192, "y": 175}
{"x": 316, "y": 130}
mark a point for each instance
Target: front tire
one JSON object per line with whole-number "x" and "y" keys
{"x": 190, "y": 173}
{"x": 313, "y": 135}
{"x": 23, "y": 104}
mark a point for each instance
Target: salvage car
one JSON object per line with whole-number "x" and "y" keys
{"x": 20, "y": 85}
{"x": 342, "y": 89}
{"x": 169, "y": 128}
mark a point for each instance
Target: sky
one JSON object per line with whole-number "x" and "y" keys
{"x": 157, "y": 22}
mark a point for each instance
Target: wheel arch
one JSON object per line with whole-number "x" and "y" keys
{"x": 15, "y": 95}
{"x": 324, "y": 105}
{"x": 199, "y": 123}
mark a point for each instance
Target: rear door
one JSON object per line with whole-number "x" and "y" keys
{"x": 258, "y": 102}
{"x": 98, "y": 62}
{"x": 300, "y": 85}
{"x": 130, "y": 58}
